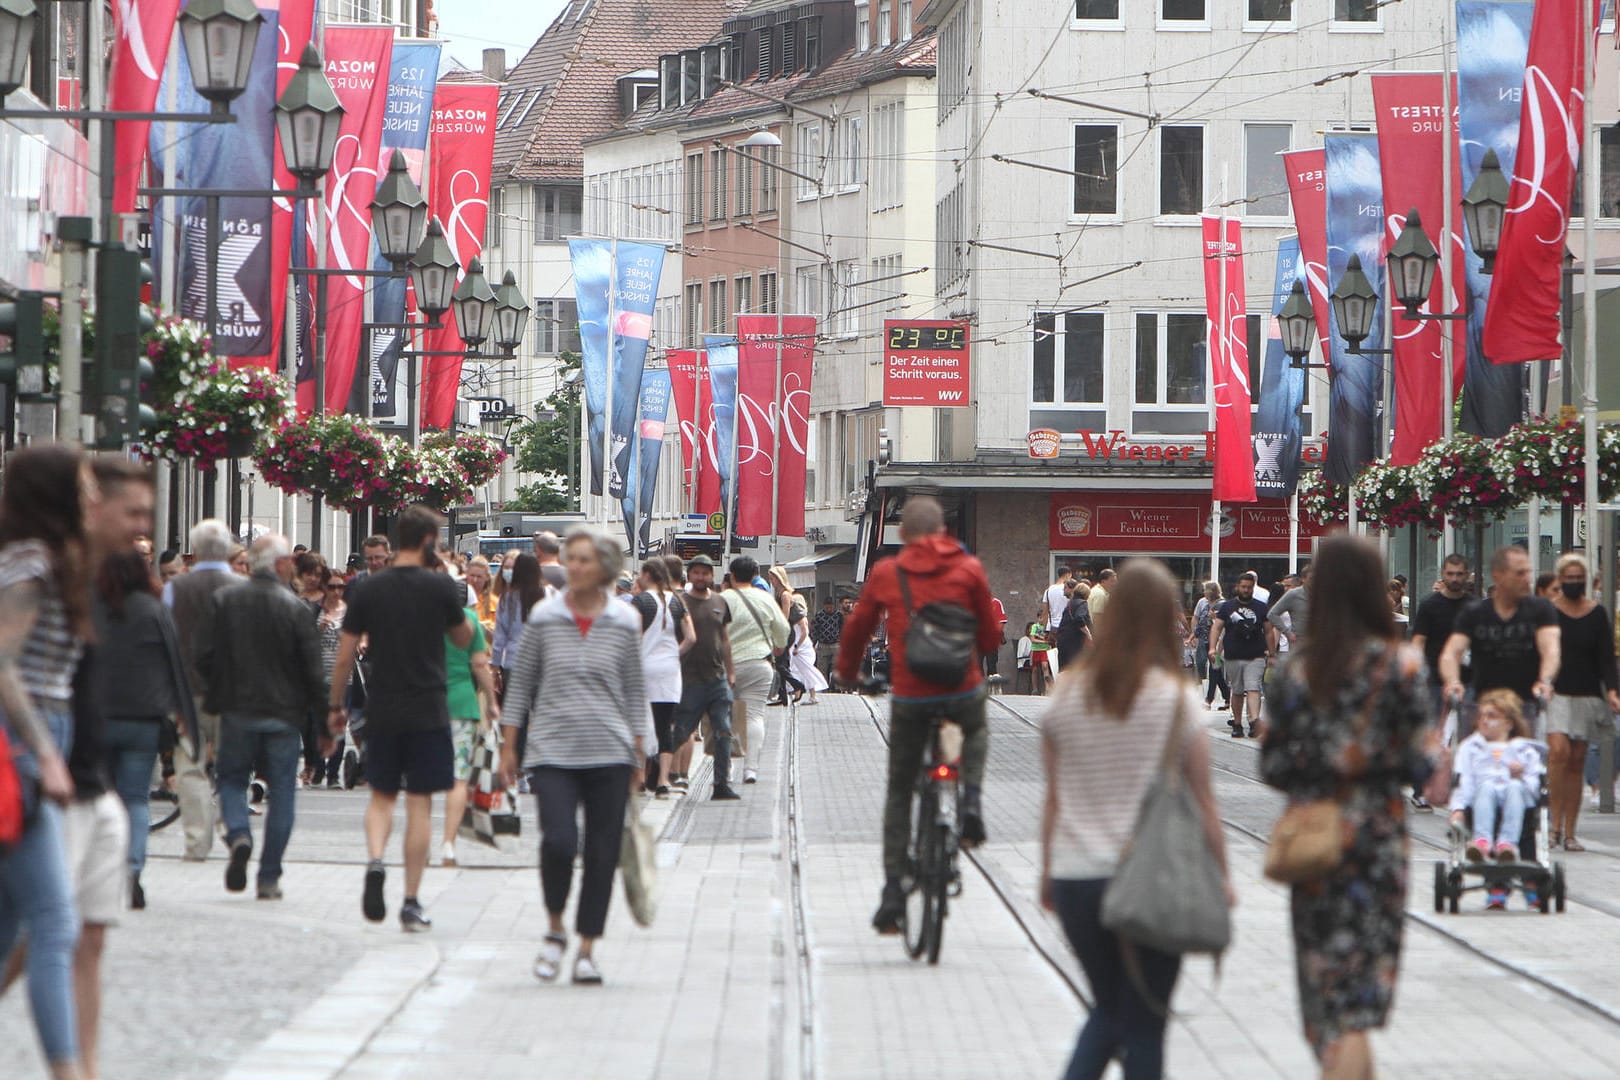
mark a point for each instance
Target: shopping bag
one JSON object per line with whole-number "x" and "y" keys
{"x": 15, "y": 797}
{"x": 492, "y": 808}
{"x": 638, "y": 865}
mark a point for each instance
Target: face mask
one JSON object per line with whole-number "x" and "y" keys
{"x": 1573, "y": 590}
{"x": 506, "y": 576}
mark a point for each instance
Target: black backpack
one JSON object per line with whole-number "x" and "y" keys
{"x": 940, "y": 641}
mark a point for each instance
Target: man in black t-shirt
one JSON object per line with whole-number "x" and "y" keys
{"x": 1246, "y": 642}
{"x": 403, "y": 612}
{"x": 1512, "y": 636}
{"x": 1435, "y": 616}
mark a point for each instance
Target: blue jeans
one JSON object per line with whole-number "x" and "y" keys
{"x": 1510, "y": 799}
{"x": 713, "y": 698}
{"x": 35, "y": 891}
{"x": 242, "y": 741}
{"x": 1121, "y": 1023}
{"x": 131, "y": 748}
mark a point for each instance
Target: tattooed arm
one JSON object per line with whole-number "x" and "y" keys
{"x": 19, "y": 609}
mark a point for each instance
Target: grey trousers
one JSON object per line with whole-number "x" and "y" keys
{"x": 198, "y": 815}
{"x": 748, "y": 696}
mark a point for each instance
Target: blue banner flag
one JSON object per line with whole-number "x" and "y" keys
{"x": 638, "y": 501}
{"x": 1282, "y": 389}
{"x": 412, "y": 72}
{"x": 722, "y": 352}
{"x": 1493, "y": 44}
{"x": 1355, "y": 226}
{"x": 615, "y": 282}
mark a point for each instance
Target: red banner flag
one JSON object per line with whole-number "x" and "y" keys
{"x": 1307, "y": 194}
{"x": 1410, "y": 110}
{"x": 1228, "y": 339}
{"x": 294, "y": 25}
{"x": 761, "y": 339}
{"x": 357, "y": 65}
{"x": 1522, "y": 317}
{"x": 690, "y": 384}
{"x": 142, "y": 30}
{"x": 461, "y": 153}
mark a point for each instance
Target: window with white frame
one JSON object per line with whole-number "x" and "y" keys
{"x": 863, "y": 27}
{"x": 694, "y": 188}
{"x": 885, "y": 23}
{"x": 492, "y": 223}
{"x": 808, "y": 157}
{"x": 1096, "y": 10}
{"x": 745, "y": 183}
{"x": 1070, "y": 352}
{"x": 825, "y": 468}
{"x": 743, "y": 294}
{"x": 884, "y": 294}
{"x": 849, "y": 152}
{"x": 1269, "y": 11}
{"x": 557, "y": 212}
{"x": 717, "y": 194}
{"x": 1255, "y": 328}
{"x": 693, "y": 313}
{"x": 845, "y": 314}
{"x": 1265, "y": 178}
{"x": 767, "y": 292}
{"x": 1363, "y": 12}
{"x": 1608, "y": 176}
{"x": 950, "y": 238}
{"x": 556, "y": 326}
{"x": 1181, "y": 169}
{"x": 719, "y": 313}
{"x": 1096, "y": 165}
{"x": 1171, "y": 358}
{"x": 1191, "y": 11}
{"x": 954, "y": 39}
{"x": 810, "y": 289}
{"x": 888, "y": 148}
{"x": 905, "y": 20}
{"x": 770, "y": 179}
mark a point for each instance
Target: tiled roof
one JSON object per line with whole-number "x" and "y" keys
{"x": 911, "y": 58}
{"x": 564, "y": 90}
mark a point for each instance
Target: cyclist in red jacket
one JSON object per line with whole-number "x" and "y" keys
{"x": 938, "y": 570}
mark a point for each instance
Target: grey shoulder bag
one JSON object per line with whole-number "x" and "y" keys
{"x": 1167, "y": 892}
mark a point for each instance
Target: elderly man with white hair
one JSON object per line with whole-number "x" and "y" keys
{"x": 260, "y": 658}
{"x": 189, "y": 596}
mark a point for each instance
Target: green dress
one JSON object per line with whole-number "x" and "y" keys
{"x": 1347, "y": 929}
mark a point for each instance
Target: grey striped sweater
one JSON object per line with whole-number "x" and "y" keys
{"x": 583, "y": 697}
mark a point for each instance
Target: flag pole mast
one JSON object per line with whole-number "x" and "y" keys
{"x": 1220, "y": 341}
{"x": 1448, "y": 344}
{"x": 612, "y": 371}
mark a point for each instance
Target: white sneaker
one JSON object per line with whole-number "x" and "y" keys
{"x": 549, "y": 962}
{"x": 586, "y": 972}
{"x": 447, "y": 855}
{"x": 750, "y": 776}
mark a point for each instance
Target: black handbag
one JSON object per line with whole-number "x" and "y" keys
{"x": 941, "y": 639}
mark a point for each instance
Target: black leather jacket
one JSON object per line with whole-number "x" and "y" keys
{"x": 258, "y": 654}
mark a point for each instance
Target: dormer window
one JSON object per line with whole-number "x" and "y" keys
{"x": 669, "y": 82}
{"x": 640, "y": 88}
{"x": 691, "y": 77}
{"x": 765, "y": 68}
{"x": 710, "y": 80}
{"x": 812, "y": 44}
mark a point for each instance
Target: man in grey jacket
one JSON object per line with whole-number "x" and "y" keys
{"x": 260, "y": 662}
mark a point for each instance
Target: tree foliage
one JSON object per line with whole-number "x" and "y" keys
{"x": 547, "y": 448}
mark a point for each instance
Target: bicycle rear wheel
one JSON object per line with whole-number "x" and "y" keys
{"x": 937, "y": 884}
{"x": 920, "y": 893}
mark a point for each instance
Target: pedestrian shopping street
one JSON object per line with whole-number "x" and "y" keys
{"x": 761, "y": 964}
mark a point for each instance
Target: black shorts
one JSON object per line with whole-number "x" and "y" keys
{"x": 664, "y": 725}
{"x": 421, "y": 762}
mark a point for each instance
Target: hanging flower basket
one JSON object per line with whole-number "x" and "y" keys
{"x": 206, "y": 412}
{"x": 1323, "y": 502}
{"x": 442, "y": 483}
{"x": 338, "y": 457}
{"x": 479, "y": 456}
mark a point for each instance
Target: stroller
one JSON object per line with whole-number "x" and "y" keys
{"x": 354, "y": 730}
{"x": 1533, "y": 868}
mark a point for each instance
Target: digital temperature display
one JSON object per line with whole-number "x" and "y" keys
{"x": 926, "y": 364}
{"x": 927, "y": 337}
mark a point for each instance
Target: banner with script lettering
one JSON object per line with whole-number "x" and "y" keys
{"x": 357, "y": 59}
{"x": 411, "y": 72}
{"x": 1493, "y": 40}
{"x": 1224, "y": 323}
{"x": 462, "y": 153}
{"x": 637, "y": 503}
{"x": 689, "y": 383}
{"x": 762, "y": 398}
{"x": 1411, "y": 118}
{"x": 615, "y": 285}
{"x": 1307, "y": 194}
{"x": 142, "y": 30}
{"x": 1523, "y": 322}
{"x": 721, "y": 351}
{"x": 1282, "y": 390}
{"x": 1355, "y": 226}
{"x": 229, "y": 156}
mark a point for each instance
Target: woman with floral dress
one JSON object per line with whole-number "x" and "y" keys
{"x": 1350, "y": 719}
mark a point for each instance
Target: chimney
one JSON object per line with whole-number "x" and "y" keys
{"x": 495, "y": 65}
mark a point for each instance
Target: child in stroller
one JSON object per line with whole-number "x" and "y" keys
{"x": 1499, "y": 773}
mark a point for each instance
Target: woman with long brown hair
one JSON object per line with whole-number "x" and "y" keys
{"x": 1350, "y": 720}
{"x": 1102, "y": 738}
{"x": 45, "y": 620}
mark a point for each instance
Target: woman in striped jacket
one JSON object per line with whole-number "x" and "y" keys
{"x": 576, "y": 686}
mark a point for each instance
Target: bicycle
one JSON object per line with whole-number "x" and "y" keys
{"x": 936, "y": 841}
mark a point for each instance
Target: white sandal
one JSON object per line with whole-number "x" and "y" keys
{"x": 549, "y": 962}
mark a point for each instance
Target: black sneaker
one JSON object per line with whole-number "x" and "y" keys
{"x": 371, "y": 903}
{"x": 137, "y": 895}
{"x": 722, "y": 794}
{"x": 1254, "y": 731}
{"x": 972, "y": 817}
{"x": 1236, "y": 728}
{"x": 412, "y": 919}
{"x": 891, "y": 909}
{"x": 236, "y": 870}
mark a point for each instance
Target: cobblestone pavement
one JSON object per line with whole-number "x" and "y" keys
{"x": 750, "y": 971}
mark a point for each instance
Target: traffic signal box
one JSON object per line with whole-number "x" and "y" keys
{"x": 22, "y": 367}
{"x": 120, "y": 370}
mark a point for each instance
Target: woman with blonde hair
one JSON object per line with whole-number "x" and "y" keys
{"x": 800, "y": 658}
{"x": 1111, "y": 719}
{"x": 1584, "y": 695}
{"x": 478, "y": 579}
